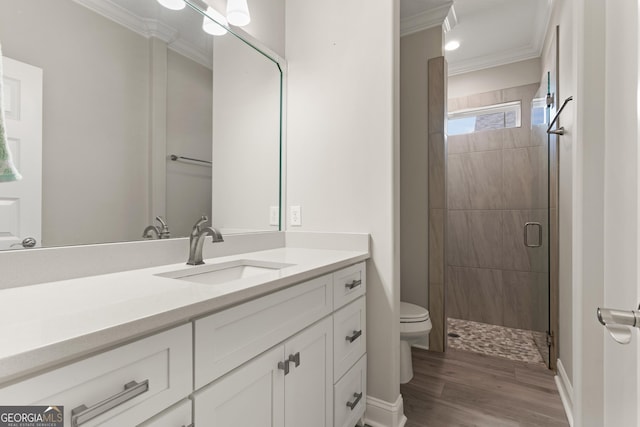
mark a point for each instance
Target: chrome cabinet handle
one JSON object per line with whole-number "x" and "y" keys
{"x": 294, "y": 358}
{"x": 526, "y": 234}
{"x": 284, "y": 366}
{"x": 82, "y": 414}
{"x": 355, "y": 336}
{"x": 29, "y": 242}
{"x": 354, "y": 284}
{"x": 353, "y": 404}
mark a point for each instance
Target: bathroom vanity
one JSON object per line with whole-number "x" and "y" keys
{"x": 279, "y": 345}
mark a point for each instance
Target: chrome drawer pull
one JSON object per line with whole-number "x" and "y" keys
{"x": 355, "y": 336}
{"x": 284, "y": 366}
{"x": 82, "y": 414}
{"x": 353, "y": 404}
{"x": 354, "y": 284}
{"x": 294, "y": 358}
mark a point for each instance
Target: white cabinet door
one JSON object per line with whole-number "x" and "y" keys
{"x": 179, "y": 415}
{"x": 309, "y": 383}
{"x": 252, "y": 395}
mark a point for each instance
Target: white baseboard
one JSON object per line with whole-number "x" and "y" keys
{"x": 380, "y": 413}
{"x": 566, "y": 391}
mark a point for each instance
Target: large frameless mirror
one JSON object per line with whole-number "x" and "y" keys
{"x": 120, "y": 111}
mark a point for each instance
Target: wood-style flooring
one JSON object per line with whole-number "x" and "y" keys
{"x": 460, "y": 388}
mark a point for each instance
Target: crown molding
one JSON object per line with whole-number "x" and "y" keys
{"x": 425, "y": 20}
{"x": 522, "y": 53}
{"x": 148, "y": 28}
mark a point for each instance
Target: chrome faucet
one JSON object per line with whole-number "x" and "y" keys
{"x": 196, "y": 240}
{"x": 161, "y": 231}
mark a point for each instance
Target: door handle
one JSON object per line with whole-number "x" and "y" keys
{"x": 619, "y": 323}
{"x": 29, "y": 242}
{"x": 526, "y": 234}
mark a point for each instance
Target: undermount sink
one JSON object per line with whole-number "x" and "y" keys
{"x": 215, "y": 274}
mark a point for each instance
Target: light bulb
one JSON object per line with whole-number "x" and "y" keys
{"x": 173, "y": 4}
{"x": 238, "y": 12}
{"x": 213, "y": 23}
{"x": 452, "y": 45}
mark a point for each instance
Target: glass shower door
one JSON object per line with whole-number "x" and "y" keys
{"x": 538, "y": 223}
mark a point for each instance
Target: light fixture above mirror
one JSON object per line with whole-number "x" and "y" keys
{"x": 238, "y": 12}
{"x": 214, "y": 26}
{"x": 237, "y": 15}
{"x": 173, "y": 4}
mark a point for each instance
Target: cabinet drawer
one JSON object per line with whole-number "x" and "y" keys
{"x": 349, "y": 336}
{"x": 161, "y": 365}
{"x": 179, "y": 415}
{"x": 227, "y": 339}
{"x": 349, "y": 284}
{"x": 350, "y": 395}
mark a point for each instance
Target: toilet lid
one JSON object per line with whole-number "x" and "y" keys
{"x": 412, "y": 313}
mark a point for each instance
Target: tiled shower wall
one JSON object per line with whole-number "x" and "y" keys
{"x": 496, "y": 183}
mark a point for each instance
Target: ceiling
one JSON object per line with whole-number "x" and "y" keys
{"x": 490, "y": 32}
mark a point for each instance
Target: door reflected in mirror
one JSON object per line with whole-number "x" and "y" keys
{"x": 126, "y": 84}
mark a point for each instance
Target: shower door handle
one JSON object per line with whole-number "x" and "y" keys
{"x": 526, "y": 234}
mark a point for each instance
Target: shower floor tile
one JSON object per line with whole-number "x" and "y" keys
{"x": 493, "y": 340}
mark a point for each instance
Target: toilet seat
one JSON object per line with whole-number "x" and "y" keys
{"x": 411, "y": 313}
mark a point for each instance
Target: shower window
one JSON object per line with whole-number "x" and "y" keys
{"x": 497, "y": 116}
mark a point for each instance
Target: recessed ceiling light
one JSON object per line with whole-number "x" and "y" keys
{"x": 452, "y": 45}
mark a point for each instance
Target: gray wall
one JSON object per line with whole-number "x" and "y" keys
{"x": 189, "y": 112}
{"x": 497, "y": 182}
{"x": 415, "y": 50}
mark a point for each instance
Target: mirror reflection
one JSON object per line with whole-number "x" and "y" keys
{"x": 121, "y": 111}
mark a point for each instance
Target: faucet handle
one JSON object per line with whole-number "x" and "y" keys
{"x": 164, "y": 228}
{"x": 201, "y": 221}
{"x": 162, "y": 222}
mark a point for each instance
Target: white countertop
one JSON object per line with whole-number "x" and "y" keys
{"x": 52, "y": 323}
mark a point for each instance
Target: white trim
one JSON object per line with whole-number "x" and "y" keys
{"x": 425, "y": 20}
{"x": 521, "y": 53}
{"x": 566, "y": 391}
{"x": 451, "y": 20}
{"x": 380, "y": 413}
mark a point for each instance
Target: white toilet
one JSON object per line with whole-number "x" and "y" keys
{"x": 414, "y": 324}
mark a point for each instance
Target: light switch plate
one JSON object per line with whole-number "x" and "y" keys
{"x": 274, "y": 215}
{"x": 296, "y": 218}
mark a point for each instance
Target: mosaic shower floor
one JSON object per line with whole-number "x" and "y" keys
{"x": 492, "y": 340}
